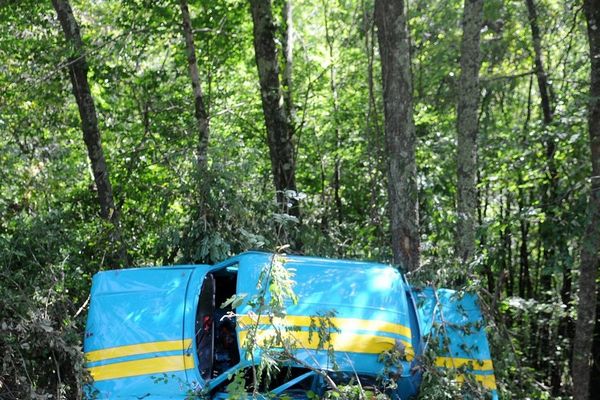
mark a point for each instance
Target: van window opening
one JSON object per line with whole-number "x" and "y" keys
{"x": 216, "y": 338}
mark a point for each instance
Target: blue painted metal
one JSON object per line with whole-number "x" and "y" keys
{"x": 134, "y": 306}
{"x": 141, "y": 329}
{"x": 351, "y": 289}
{"x": 454, "y": 323}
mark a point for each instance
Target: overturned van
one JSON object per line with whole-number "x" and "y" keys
{"x": 162, "y": 333}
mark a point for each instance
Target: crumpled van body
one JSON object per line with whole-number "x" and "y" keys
{"x": 160, "y": 333}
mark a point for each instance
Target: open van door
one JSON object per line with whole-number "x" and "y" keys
{"x": 452, "y": 322}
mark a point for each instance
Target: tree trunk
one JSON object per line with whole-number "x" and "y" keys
{"x": 78, "y": 70}
{"x": 468, "y": 127}
{"x": 549, "y": 199}
{"x": 200, "y": 112}
{"x": 595, "y": 373}
{"x": 586, "y": 310}
{"x": 279, "y": 130}
{"x": 337, "y": 163}
{"x": 539, "y": 65}
{"x": 525, "y": 286}
{"x": 373, "y": 131}
{"x": 549, "y": 189}
{"x": 507, "y": 247}
{"x": 525, "y": 289}
{"x": 287, "y": 45}
{"x": 394, "y": 48}
{"x": 481, "y": 214}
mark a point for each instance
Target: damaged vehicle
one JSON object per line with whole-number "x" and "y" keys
{"x": 190, "y": 331}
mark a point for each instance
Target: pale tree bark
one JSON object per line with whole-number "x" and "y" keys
{"x": 468, "y": 128}
{"x": 590, "y": 250}
{"x": 78, "y": 70}
{"x": 279, "y": 129}
{"x": 394, "y": 48}
{"x": 200, "y": 112}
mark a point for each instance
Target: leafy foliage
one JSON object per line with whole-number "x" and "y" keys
{"x": 52, "y": 241}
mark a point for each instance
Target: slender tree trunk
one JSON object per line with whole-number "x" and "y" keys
{"x": 525, "y": 289}
{"x": 468, "y": 127}
{"x": 595, "y": 373}
{"x": 507, "y": 256}
{"x": 539, "y": 65}
{"x": 481, "y": 214}
{"x": 549, "y": 194}
{"x": 394, "y": 48}
{"x": 287, "y": 45}
{"x": 588, "y": 272}
{"x": 504, "y": 250}
{"x": 279, "y": 129}
{"x": 337, "y": 164}
{"x": 78, "y": 70}
{"x": 374, "y": 133}
{"x": 200, "y": 111}
{"x": 549, "y": 189}
{"x": 566, "y": 328}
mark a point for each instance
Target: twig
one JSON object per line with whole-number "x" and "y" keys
{"x": 501, "y": 77}
{"x": 443, "y": 321}
{"x": 362, "y": 392}
{"x": 84, "y": 54}
{"x": 320, "y": 372}
{"x": 502, "y": 326}
{"x": 83, "y": 306}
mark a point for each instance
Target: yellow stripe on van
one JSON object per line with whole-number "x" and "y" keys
{"x": 456, "y": 362}
{"x": 344, "y": 341}
{"x": 340, "y": 323}
{"x": 135, "y": 349}
{"x": 147, "y": 366}
{"x": 488, "y": 381}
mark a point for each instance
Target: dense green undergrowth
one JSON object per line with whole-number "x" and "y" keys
{"x": 52, "y": 240}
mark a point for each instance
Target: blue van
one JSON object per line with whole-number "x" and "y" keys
{"x": 161, "y": 333}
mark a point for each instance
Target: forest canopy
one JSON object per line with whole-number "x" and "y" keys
{"x": 457, "y": 140}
